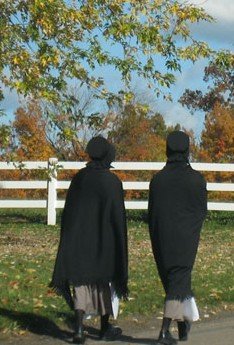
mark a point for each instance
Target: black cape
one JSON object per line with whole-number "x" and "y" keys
{"x": 177, "y": 209}
{"x": 93, "y": 243}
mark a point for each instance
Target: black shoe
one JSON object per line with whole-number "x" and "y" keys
{"x": 111, "y": 333}
{"x": 183, "y": 330}
{"x": 79, "y": 338}
{"x": 165, "y": 338}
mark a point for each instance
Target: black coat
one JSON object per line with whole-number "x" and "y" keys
{"x": 177, "y": 209}
{"x": 93, "y": 243}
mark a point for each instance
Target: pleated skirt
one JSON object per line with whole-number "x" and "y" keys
{"x": 93, "y": 299}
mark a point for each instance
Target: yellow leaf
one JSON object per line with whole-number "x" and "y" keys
{"x": 22, "y": 332}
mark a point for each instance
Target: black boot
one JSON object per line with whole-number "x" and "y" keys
{"x": 108, "y": 332}
{"x": 183, "y": 330}
{"x": 79, "y": 337}
{"x": 165, "y": 337}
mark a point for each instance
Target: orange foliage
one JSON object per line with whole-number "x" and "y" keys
{"x": 137, "y": 136}
{"x": 217, "y": 145}
{"x": 32, "y": 145}
{"x": 31, "y": 133}
{"x": 217, "y": 140}
{"x": 136, "y": 139}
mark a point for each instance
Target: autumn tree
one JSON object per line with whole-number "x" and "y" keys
{"x": 46, "y": 43}
{"x": 5, "y": 135}
{"x": 30, "y": 143}
{"x": 5, "y": 140}
{"x": 220, "y": 80}
{"x": 139, "y": 134}
{"x": 217, "y": 139}
{"x": 217, "y": 145}
{"x": 218, "y": 104}
{"x": 72, "y": 121}
{"x": 30, "y": 129}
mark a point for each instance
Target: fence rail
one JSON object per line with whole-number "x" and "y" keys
{"x": 52, "y": 185}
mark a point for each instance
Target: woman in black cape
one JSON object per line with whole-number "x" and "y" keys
{"x": 92, "y": 256}
{"x": 177, "y": 209}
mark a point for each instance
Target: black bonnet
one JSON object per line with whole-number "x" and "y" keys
{"x": 177, "y": 146}
{"x": 101, "y": 151}
{"x": 97, "y": 147}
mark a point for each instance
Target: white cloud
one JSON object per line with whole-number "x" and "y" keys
{"x": 174, "y": 113}
{"x": 222, "y": 30}
{"x": 222, "y": 10}
{"x": 190, "y": 78}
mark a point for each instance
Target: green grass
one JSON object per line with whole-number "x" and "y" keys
{"x": 27, "y": 253}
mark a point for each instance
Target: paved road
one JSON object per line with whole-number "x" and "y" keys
{"x": 214, "y": 332}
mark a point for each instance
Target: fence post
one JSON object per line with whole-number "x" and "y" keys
{"x": 52, "y": 191}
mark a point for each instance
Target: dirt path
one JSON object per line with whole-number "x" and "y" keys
{"x": 213, "y": 332}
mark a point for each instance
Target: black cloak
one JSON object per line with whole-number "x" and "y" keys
{"x": 93, "y": 242}
{"x": 177, "y": 209}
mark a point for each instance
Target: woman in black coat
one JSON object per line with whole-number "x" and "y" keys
{"x": 92, "y": 256}
{"x": 177, "y": 209}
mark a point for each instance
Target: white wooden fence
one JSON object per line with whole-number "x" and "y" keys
{"x": 52, "y": 185}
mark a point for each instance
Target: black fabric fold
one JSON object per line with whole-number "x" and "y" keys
{"x": 93, "y": 241}
{"x": 176, "y": 211}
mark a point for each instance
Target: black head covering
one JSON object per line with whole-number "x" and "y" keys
{"x": 177, "y": 147}
{"x": 101, "y": 152}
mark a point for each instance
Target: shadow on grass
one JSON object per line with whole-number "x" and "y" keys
{"x": 43, "y": 326}
{"x": 36, "y": 324}
{"x": 23, "y": 217}
{"x": 29, "y": 216}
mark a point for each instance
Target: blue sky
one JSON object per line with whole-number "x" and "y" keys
{"x": 219, "y": 35}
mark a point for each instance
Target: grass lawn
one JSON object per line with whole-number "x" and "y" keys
{"x": 27, "y": 254}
